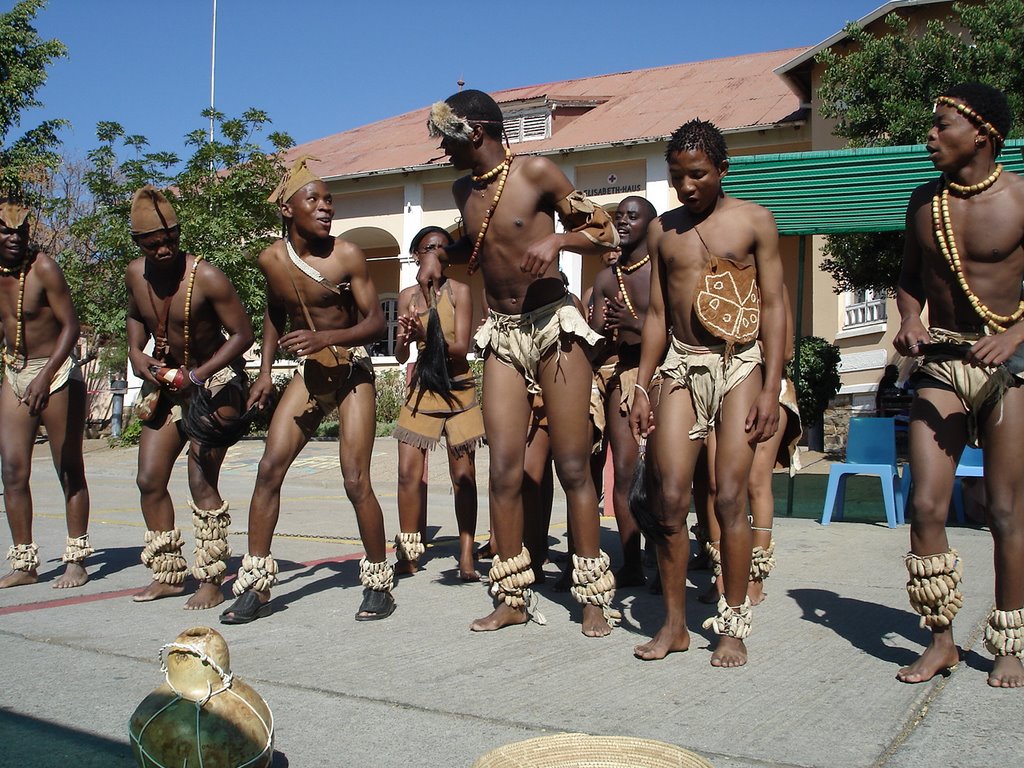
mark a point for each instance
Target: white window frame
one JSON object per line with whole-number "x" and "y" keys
{"x": 389, "y": 306}
{"x": 865, "y": 308}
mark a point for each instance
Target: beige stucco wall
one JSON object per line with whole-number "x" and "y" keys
{"x": 381, "y": 213}
{"x": 866, "y": 352}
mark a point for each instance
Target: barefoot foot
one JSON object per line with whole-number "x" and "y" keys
{"x": 730, "y": 652}
{"x": 668, "y": 640}
{"x": 156, "y": 590}
{"x": 19, "y": 578}
{"x": 594, "y": 622}
{"x": 755, "y": 591}
{"x": 1007, "y": 672}
{"x": 74, "y": 576}
{"x": 467, "y": 566}
{"x": 502, "y": 616}
{"x": 937, "y": 659}
{"x": 207, "y": 596}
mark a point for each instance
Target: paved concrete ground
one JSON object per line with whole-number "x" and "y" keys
{"x": 420, "y": 690}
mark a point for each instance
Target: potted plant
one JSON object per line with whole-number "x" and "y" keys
{"x": 814, "y": 371}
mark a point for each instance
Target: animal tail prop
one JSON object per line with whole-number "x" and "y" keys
{"x": 641, "y": 489}
{"x": 203, "y": 422}
{"x": 432, "y": 372}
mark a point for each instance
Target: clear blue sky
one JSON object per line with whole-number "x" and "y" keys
{"x": 324, "y": 67}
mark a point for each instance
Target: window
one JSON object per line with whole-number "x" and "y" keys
{"x": 386, "y": 346}
{"x": 864, "y": 307}
{"x": 528, "y": 126}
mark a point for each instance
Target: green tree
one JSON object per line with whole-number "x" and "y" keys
{"x": 219, "y": 194}
{"x": 881, "y": 92}
{"x": 818, "y": 380}
{"x": 25, "y": 160}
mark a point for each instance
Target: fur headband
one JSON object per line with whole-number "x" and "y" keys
{"x": 444, "y": 122}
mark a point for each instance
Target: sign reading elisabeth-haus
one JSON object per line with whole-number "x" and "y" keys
{"x": 619, "y": 190}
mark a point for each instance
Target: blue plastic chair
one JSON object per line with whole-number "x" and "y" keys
{"x": 870, "y": 450}
{"x": 971, "y": 464}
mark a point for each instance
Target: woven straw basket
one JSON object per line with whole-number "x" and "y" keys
{"x": 578, "y": 750}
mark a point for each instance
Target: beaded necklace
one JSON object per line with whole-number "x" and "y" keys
{"x": 619, "y": 272}
{"x": 944, "y": 235}
{"x": 968, "y": 190}
{"x": 162, "y": 344}
{"x": 188, "y": 304}
{"x": 14, "y": 361}
{"x": 504, "y": 164}
{"x": 474, "y": 258}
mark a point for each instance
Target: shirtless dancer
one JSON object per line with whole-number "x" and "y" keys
{"x": 620, "y": 299}
{"x": 321, "y": 287}
{"x": 185, "y": 304}
{"x": 964, "y": 260}
{"x": 42, "y": 382}
{"x": 778, "y": 450}
{"x": 706, "y": 385}
{"x": 426, "y": 414}
{"x": 532, "y": 341}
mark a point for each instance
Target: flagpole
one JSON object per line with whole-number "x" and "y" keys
{"x": 213, "y": 66}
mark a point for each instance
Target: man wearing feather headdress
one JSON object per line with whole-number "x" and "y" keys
{"x": 533, "y": 341}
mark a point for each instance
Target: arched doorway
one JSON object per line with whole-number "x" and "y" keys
{"x": 383, "y": 257}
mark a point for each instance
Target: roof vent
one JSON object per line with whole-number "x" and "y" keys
{"x": 530, "y": 125}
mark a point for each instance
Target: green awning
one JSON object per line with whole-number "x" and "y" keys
{"x": 845, "y": 190}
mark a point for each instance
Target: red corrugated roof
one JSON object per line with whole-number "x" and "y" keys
{"x": 733, "y": 93}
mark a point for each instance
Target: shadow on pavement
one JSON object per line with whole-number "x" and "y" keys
{"x": 33, "y": 743}
{"x": 859, "y": 623}
{"x": 30, "y": 742}
{"x": 112, "y": 560}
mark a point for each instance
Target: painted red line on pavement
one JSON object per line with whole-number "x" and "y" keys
{"x": 69, "y": 601}
{"x": 79, "y": 599}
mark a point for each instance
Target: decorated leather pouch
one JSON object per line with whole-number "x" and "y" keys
{"x": 146, "y": 403}
{"x": 324, "y": 371}
{"x": 728, "y": 301}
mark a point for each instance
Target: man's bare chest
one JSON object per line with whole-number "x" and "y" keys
{"x": 984, "y": 239}
{"x": 26, "y": 301}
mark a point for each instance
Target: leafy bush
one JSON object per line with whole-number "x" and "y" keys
{"x": 328, "y": 429}
{"x": 131, "y": 433}
{"x": 477, "y": 367}
{"x": 391, "y": 393}
{"x": 818, "y": 379}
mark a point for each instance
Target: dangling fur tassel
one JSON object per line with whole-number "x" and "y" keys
{"x": 432, "y": 372}
{"x": 641, "y": 489}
